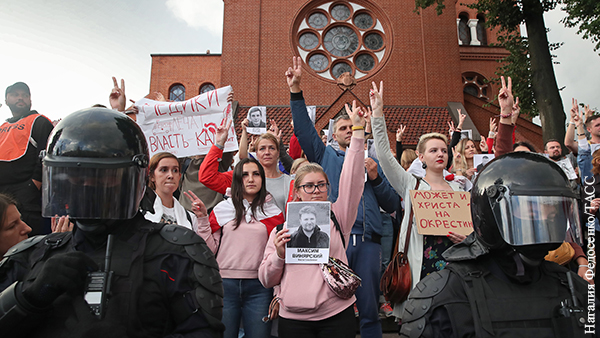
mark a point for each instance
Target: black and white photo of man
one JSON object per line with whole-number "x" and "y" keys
{"x": 480, "y": 160}
{"x": 308, "y": 235}
{"x": 256, "y": 118}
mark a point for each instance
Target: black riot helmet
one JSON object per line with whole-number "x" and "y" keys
{"x": 524, "y": 200}
{"x": 95, "y": 166}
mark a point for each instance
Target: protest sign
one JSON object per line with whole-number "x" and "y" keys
{"x": 440, "y": 212}
{"x": 186, "y": 128}
{"x": 308, "y": 224}
{"x": 257, "y": 120}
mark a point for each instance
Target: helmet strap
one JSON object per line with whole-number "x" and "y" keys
{"x": 518, "y": 258}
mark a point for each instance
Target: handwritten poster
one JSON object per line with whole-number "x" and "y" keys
{"x": 439, "y": 212}
{"x": 186, "y": 128}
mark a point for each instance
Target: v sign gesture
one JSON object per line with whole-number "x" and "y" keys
{"x": 294, "y": 75}
{"x": 376, "y": 97}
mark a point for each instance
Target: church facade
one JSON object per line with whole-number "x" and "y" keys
{"x": 431, "y": 65}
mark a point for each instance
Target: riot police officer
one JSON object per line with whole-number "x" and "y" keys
{"x": 116, "y": 274}
{"x": 498, "y": 283}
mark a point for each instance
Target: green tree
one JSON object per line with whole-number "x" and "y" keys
{"x": 530, "y": 63}
{"x": 584, "y": 14}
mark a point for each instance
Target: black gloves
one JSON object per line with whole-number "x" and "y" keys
{"x": 62, "y": 273}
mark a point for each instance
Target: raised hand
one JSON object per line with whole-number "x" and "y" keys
{"x": 399, "y": 133}
{"x": 252, "y": 143}
{"x": 230, "y": 97}
{"x": 587, "y": 112}
{"x": 456, "y": 154}
{"x": 451, "y": 128}
{"x": 274, "y": 130}
{"x": 461, "y": 119}
{"x": 483, "y": 145}
{"x": 575, "y": 114}
{"x": 493, "y": 126}
{"x": 117, "y": 95}
{"x": 199, "y": 209}
{"x": 515, "y": 112}
{"x": 505, "y": 97}
{"x": 376, "y": 98}
{"x": 222, "y": 132}
{"x": 356, "y": 114}
{"x": 294, "y": 75}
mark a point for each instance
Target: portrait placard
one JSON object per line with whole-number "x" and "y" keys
{"x": 480, "y": 160}
{"x": 308, "y": 224}
{"x": 257, "y": 120}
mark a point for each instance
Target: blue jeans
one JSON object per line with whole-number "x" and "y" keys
{"x": 365, "y": 259}
{"x": 248, "y": 300}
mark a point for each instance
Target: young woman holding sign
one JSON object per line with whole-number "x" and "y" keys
{"x": 424, "y": 252}
{"x": 308, "y": 307}
{"x": 237, "y": 232}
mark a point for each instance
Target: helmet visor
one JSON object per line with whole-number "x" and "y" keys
{"x": 92, "y": 193}
{"x": 526, "y": 220}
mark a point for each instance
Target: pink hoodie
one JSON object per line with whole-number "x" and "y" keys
{"x": 241, "y": 250}
{"x": 304, "y": 294}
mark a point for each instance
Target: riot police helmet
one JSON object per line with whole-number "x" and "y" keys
{"x": 524, "y": 201}
{"x": 95, "y": 166}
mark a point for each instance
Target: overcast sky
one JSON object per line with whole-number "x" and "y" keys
{"x": 67, "y": 50}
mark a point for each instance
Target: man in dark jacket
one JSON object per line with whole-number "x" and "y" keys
{"x": 308, "y": 235}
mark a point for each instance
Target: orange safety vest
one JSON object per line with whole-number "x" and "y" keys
{"x": 15, "y": 138}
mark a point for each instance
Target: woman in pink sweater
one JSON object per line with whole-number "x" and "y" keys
{"x": 237, "y": 231}
{"x": 308, "y": 308}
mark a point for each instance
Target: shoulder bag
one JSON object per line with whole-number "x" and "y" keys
{"x": 396, "y": 281}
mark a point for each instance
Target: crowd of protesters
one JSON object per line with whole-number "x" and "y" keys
{"x": 236, "y": 206}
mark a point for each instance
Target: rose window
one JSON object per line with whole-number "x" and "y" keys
{"x": 334, "y": 37}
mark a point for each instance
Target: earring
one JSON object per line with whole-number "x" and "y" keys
{"x": 424, "y": 165}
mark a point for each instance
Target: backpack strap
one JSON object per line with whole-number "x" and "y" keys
{"x": 337, "y": 226}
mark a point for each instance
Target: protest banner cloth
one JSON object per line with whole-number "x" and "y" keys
{"x": 310, "y": 230}
{"x": 440, "y": 212}
{"x": 186, "y": 128}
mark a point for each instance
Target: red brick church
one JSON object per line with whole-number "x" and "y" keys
{"x": 431, "y": 65}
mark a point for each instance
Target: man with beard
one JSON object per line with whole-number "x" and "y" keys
{"x": 308, "y": 235}
{"x": 22, "y": 137}
{"x": 568, "y": 163}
